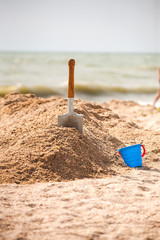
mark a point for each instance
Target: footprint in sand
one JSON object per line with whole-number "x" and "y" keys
{"x": 146, "y": 189}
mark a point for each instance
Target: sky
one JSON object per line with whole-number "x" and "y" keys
{"x": 80, "y": 25}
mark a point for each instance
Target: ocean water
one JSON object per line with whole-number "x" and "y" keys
{"x": 99, "y": 77}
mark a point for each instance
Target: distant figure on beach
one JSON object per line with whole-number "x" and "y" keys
{"x": 158, "y": 94}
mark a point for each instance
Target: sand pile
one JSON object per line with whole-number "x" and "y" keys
{"x": 34, "y": 149}
{"x": 124, "y": 204}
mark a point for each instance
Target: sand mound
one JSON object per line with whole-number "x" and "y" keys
{"x": 34, "y": 149}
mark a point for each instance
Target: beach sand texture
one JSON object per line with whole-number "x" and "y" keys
{"x": 59, "y": 184}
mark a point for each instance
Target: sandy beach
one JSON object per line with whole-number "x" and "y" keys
{"x": 57, "y": 183}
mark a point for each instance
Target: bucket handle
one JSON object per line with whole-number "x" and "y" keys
{"x": 144, "y": 151}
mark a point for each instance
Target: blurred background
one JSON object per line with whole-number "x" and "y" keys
{"x": 116, "y": 45}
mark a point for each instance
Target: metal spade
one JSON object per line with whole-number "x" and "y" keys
{"x": 71, "y": 119}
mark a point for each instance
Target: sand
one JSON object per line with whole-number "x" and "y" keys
{"x": 57, "y": 183}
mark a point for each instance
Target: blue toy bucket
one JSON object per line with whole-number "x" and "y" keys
{"x": 132, "y": 155}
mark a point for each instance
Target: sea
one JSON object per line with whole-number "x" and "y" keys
{"x": 99, "y": 77}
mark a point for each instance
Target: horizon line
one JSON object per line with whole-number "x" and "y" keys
{"x": 74, "y": 52}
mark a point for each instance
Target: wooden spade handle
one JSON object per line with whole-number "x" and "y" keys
{"x": 71, "y": 64}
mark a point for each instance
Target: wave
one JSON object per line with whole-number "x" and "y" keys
{"x": 92, "y": 89}
{"x": 40, "y": 91}
{"x": 95, "y": 89}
